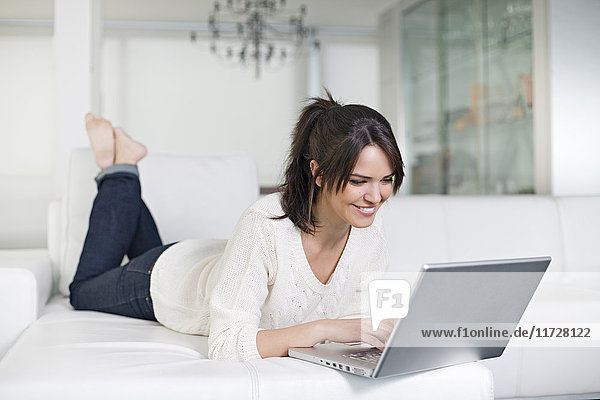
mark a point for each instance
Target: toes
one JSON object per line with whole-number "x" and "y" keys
{"x": 92, "y": 121}
{"x": 120, "y": 132}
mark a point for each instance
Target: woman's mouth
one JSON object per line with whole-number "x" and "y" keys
{"x": 366, "y": 210}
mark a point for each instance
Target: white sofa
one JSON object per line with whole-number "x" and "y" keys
{"x": 50, "y": 351}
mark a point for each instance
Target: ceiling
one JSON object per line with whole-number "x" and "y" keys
{"x": 355, "y": 13}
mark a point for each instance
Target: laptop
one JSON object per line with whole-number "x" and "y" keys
{"x": 481, "y": 301}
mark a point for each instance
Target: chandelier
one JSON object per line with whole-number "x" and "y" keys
{"x": 259, "y": 32}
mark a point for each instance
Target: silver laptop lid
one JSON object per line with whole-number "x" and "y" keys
{"x": 461, "y": 297}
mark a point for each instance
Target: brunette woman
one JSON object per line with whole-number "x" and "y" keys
{"x": 292, "y": 268}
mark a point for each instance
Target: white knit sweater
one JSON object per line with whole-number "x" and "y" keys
{"x": 259, "y": 279}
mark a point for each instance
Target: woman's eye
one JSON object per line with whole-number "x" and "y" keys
{"x": 388, "y": 180}
{"x": 356, "y": 182}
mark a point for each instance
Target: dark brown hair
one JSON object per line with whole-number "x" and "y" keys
{"x": 333, "y": 135}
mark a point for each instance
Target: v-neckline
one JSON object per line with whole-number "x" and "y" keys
{"x": 309, "y": 274}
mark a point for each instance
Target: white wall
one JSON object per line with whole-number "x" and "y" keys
{"x": 26, "y": 134}
{"x": 175, "y": 96}
{"x": 350, "y": 69}
{"x": 575, "y": 96}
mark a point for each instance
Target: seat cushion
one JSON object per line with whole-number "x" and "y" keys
{"x": 303, "y": 380}
{"x": 83, "y": 354}
{"x": 90, "y": 355}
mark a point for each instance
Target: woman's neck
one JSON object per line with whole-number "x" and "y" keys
{"x": 325, "y": 247}
{"x": 331, "y": 230}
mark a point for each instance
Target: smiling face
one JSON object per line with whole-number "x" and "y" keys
{"x": 370, "y": 185}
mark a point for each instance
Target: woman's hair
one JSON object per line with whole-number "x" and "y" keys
{"x": 333, "y": 135}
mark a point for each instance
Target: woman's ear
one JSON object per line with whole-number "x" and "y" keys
{"x": 313, "y": 169}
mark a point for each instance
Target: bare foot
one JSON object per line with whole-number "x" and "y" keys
{"x": 127, "y": 150}
{"x": 100, "y": 132}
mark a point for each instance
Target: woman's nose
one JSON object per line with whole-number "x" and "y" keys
{"x": 373, "y": 194}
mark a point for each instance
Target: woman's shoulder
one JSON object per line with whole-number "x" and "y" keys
{"x": 264, "y": 215}
{"x": 268, "y": 206}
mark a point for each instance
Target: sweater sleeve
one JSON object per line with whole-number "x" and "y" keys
{"x": 241, "y": 290}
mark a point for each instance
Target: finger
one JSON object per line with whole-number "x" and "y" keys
{"x": 385, "y": 331}
{"x": 373, "y": 341}
{"x": 386, "y": 328}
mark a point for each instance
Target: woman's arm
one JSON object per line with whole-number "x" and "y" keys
{"x": 276, "y": 342}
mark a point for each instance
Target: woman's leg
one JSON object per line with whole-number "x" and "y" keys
{"x": 123, "y": 291}
{"x": 115, "y": 224}
{"x": 126, "y": 153}
{"x": 120, "y": 223}
{"x": 146, "y": 236}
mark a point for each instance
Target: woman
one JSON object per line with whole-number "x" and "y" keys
{"x": 293, "y": 265}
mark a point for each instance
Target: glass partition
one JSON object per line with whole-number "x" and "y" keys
{"x": 467, "y": 88}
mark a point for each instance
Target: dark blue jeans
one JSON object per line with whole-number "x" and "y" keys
{"x": 120, "y": 224}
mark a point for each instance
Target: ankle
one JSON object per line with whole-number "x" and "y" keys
{"x": 117, "y": 168}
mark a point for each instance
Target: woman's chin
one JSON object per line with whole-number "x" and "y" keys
{"x": 362, "y": 222}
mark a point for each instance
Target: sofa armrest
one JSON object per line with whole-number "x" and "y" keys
{"x": 25, "y": 286}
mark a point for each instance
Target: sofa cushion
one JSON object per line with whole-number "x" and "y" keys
{"x": 415, "y": 231}
{"x": 70, "y": 354}
{"x": 503, "y": 227}
{"x": 195, "y": 196}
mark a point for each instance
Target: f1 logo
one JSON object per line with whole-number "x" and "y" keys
{"x": 388, "y": 298}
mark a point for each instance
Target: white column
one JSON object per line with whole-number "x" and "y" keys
{"x": 389, "y": 36}
{"x": 77, "y": 35}
{"x": 313, "y": 68}
{"x": 542, "y": 133}
{"x": 574, "y": 101}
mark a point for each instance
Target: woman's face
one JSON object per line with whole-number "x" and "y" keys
{"x": 370, "y": 185}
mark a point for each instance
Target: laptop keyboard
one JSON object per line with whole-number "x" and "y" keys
{"x": 371, "y": 355}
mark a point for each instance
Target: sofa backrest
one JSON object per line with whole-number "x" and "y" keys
{"x": 426, "y": 229}
{"x": 190, "y": 196}
{"x": 580, "y": 227}
{"x": 204, "y": 195}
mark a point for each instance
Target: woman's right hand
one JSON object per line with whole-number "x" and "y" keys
{"x": 356, "y": 330}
